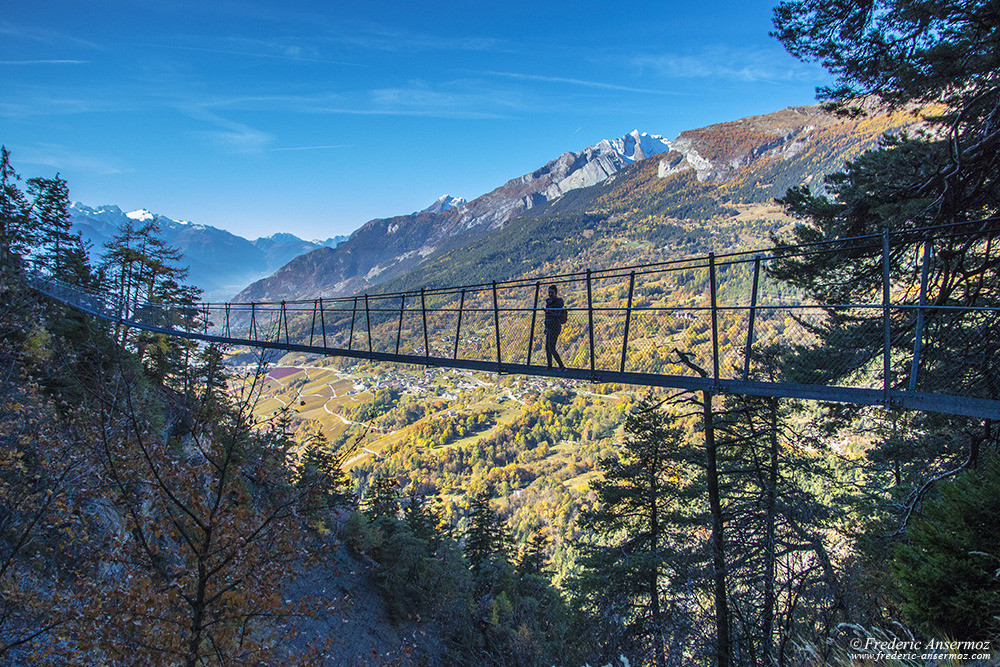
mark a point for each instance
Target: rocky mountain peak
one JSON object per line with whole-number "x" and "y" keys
{"x": 715, "y": 152}
{"x": 443, "y": 203}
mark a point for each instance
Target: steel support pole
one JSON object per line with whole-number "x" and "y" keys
{"x": 368, "y": 323}
{"x": 399, "y": 326}
{"x": 753, "y": 315}
{"x": 496, "y": 322}
{"x": 322, "y": 321}
{"x": 918, "y": 334}
{"x": 312, "y": 329}
{"x": 534, "y": 315}
{"x": 715, "y": 317}
{"x": 284, "y": 315}
{"x": 886, "y": 334}
{"x": 423, "y": 310}
{"x": 590, "y": 318}
{"x": 354, "y": 314}
{"x": 628, "y": 319}
{"x": 458, "y": 327}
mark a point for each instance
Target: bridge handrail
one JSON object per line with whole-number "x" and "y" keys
{"x": 824, "y": 246}
{"x": 715, "y": 329}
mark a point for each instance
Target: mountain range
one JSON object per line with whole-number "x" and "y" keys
{"x": 386, "y": 248}
{"x": 219, "y": 262}
{"x": 638, "y": 198}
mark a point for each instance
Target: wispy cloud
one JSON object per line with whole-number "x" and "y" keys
{"x": 19, "y": 32}
{"x": 310, "y": 148}
{"x": 37, "y": 100}
{"x": 721, "y": 62}
{"x": 61, "y": 158}
{"x": 578, "y": 82}
{"x": 378, "y": 37}
{"x": 44, "y": 62}
{"x": 230, "y": 136}
{"x": 293, "y": 53}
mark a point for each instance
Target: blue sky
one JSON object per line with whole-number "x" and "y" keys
{"x": 314, "y": 117}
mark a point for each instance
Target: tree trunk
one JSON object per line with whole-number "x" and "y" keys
{"x": 771, "y": 492}
{"x": 654, "y": 589}
{"x": 718, "y": 545}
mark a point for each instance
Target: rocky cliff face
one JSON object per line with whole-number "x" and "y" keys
{"x": 717, "y": 151}
{"x": 569, "y": 171}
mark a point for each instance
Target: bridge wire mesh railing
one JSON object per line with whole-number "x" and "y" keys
{"x": 715, "y": 315}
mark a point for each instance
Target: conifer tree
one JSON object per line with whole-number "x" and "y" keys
{"x": 648, "y": 556}
{"x": 16, "y": 234}
{"x": 919, "y": 53}
{"x": 940, "y": 59}
{"x": 382, "y": 498}
{"x": 142, "y": 272}
{"x": 778, "y": 482}
{"x": 422, "y": 519}
{"x": 50, "y": 210}
{"x": 485, "y": 537}
{"x": 948, "y": 568}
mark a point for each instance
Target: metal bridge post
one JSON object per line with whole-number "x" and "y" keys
{"x": 284, "y": 315}
{"x": 458, "y": 327}
{"x": 918, "y": 334}
{"x": 423, "y": 309}
{"x": 399, "y": 327}
{"x": 715, "y": 317}
{"x": 354, "y": 314}
{"x": 753, "y": 314}
{"x": 312, "y": 329}
{"x": 368, "y": 322}
{"x": 628, "y": 319}
{"x": 496, "y": 322}
{"x": 322, "y": 321}
{"x": 253, "y": 321}
{"x": 590, "y": 321}
{"x": 534, "y": 314}
{"x": 886, "y": 335}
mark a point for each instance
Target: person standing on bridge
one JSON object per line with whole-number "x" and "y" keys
{"x": 555, "y": 317}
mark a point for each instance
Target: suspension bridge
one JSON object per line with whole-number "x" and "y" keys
{"x": 700, "y": 324}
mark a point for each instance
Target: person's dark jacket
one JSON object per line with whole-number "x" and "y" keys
{"x": 555, "y": 312}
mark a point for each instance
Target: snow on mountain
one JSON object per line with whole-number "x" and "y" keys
{"x": 636, "y": 145}
{"x": 220, "y": 262}
{"x": 141, "y": 215}
{"x": 570, "y": 171}
{"x": 443, "y": 203}
{"x": 332, "y": 241}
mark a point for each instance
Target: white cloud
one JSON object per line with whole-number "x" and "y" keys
{"x": 723, "y": 62}
{"x": 311, "y": 148}
{"x": 61, "y": 158}
{"x": 578, "y": 82}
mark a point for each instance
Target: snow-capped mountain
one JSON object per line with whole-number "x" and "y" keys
{"x": 636, "y": 145}
{"x": 220, "y": 262}
{"x": 443, "y": 203}
{"x": 385, "y": 247}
